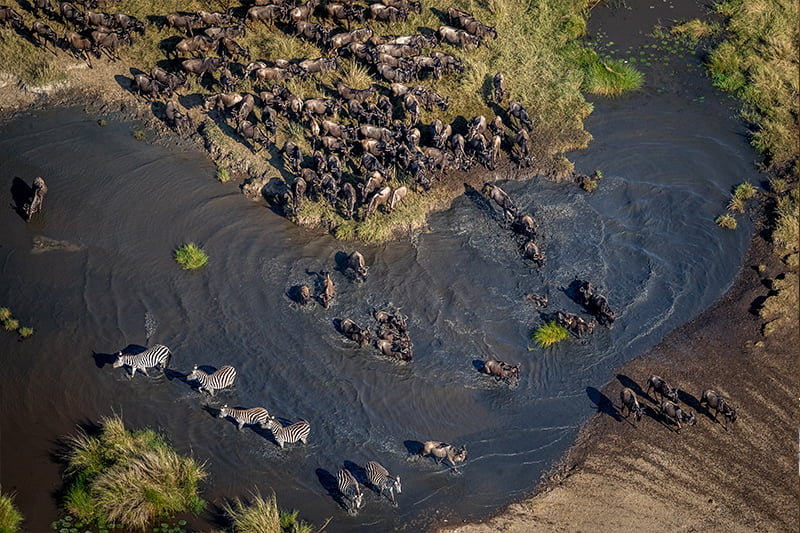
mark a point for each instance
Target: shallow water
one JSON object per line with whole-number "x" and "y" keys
{"x": 646, "y": 237}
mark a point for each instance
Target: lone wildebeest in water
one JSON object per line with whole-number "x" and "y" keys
{"x": 715, "y": 401}
{"x": 355, "y": 262}
{"x": 502, "y": 370}
{"x": 442, "y": 450}
{"x": 34, "y": 205}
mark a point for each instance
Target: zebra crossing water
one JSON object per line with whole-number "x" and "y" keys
{"x": 348, "y": 487}
{"x": 254, "y": 416}
{"x": 380, "y": 478}
{"x": 296, "y": 432}
{"x": 155, "y": 356}
{"x": 221, "y": 378}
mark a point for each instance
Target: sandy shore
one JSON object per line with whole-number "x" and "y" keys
{"x": 623, "y": 476}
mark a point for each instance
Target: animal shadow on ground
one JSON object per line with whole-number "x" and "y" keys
{"x": 124, "y": 82}
{"x": 479, "y": 365}
{"x": 625, "y": 381}
{"x": 103, "y": 359}
{"x": 480, "y": 201}
{"x": 21, "y": 194}
{"x": 572, "y": 291}
{"x": 690, "y": 401}
{"x": 341, "y": 263}
{"x": 294, "y": 294}
{"x": 331, "y": 485}
{"x": 414, "y": 447}
{"x": 603, "y": 403}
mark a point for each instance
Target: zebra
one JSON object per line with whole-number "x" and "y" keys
{"x": 157, "y": 356}
{"x": 255, "y": 416}
{"x": 216, "y": 380}
{"x": 296, "y": 432}
{"x": 351, "y": 493}
{"x": 380, "y": 478}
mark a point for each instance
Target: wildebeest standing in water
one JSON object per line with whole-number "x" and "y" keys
{"x": 442, "y": 450}
{"x": 35, "y": 203}
{"x": 355, "y": 262}
{"x": 501, "y": 370}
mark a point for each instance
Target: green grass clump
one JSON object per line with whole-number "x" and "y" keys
{"x": 102, "y": 122}
{"x": 785, "y": 234}
{"x": 611, "y": 77}
{"x": 726, "y": 221}
{"x": 25, "y": 332}
{"x": 261, "y": 515}
{"x": 549, "y": 333}
{"x": 735, "y": 205}
{"x": 222, "y": 174}
{"x": 139, "y": 135}
{"x": 744, "y": 191}
{"x": 694, "y": 29}
{"x": 128, "y": 478}
{"x": 190, "y": 256}
{"x": 5, "y": 313}
{"x": 10, "y": 517}
{"x": 11, "y": 324}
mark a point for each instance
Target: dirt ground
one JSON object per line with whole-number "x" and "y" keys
{"x": 624, "y": 476}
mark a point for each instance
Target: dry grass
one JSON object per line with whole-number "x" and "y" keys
{"x": 10, "y": 517}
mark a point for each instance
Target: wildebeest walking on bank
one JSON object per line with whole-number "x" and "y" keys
{"x": 715, "y": 401}
{"x": 630, "y": 403}
{"x": 662, "y": 388}
{"x": 672, "y": 413}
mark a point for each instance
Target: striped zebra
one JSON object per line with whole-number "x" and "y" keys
{"x": 255, "y": 416}
{"x": 380, "y": 478}
{"x": 159, "y": 355}
{"x": 351, "y": 493}
{"x": 296, "y": 432}
{"x": 216, "y": 380}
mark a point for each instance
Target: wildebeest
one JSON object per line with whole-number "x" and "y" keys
{"x": 360, "y": 35}
{"x": 81, "y": 46}
{"x": 184, "y": 22}
{"x": 268, "y": 13}
{"x": 715, "y": 401}
{"x": 8, "y": 15}
{"x": 221, "y": 101}
{"x": 213, "y": 19}
{"x": 470, "y": 24}
{"x": 378, "y": 199}
{"x": 176, "y": 119}
{"x": 538, "y": 300}
{"x": 353, "y": 331}
{"x": 671, "y": 412}
{"x": 253, "y": 133}
{"x": 409, "y": 5}
{"x": 449, "y": 62}
{"x": 522, "y": 140}
{"x": 436, "y": 158}
{"x": 595, "y": 302}
{"x": 524, "y": 226}
{"x": 110, "y": 42}
{"x": 397, "y": 196}
{"x": 458, "y": 37}
{"x": 501, "y": 370}
{"x": 272, "y": 74}
{"x": 344, "y": 11}
{"x": 442, "y": 450}
{"x": 194, "y": 45}
{"x": 393, "y": 349}
{"x": 203, "y": 66}
{"x": 245, "y": 107}
{"x": 328, "y": 289}
{"x": 661, "y": 388}
{"x": 320, "y": 106}
{"x": 503, "y": 200}
{"x": 372, "y": 183}
{"x": 98, "y": 20}
{"x": 630, "y": 403}
{"x": 173, "y": 81}
{"x": 231, "y": 32}
{"x": 128, "y": 23}
{"x": 398, "y": 50}
{"x": 349, "y": 198}
{"x": 349, "y": 93}
{"x": 531, "y": 252}
{"x": 303, "y": 12}
{"x": 397, "y": 74}
{"x": 292, "y": 155}
{"x": 411, "y": 105}
{"x": 384, "y": 13}
{"x": 355, "y": 261}
{"x": 518, "y": 111}
{"x": 574, "y": 323}
{"x": 230, "y": 49}
{"x": 69, "y": 13}
{"x": 441, "y": 133}
{"x": 498, "y": 82}
{"x": 147, "y": 86}
{"x": 320, "y": 64}
{"x": 34, "y": 205}
{"x": 44, "y": 34}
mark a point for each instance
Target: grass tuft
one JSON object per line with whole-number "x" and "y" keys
{"x": 129, "y": 478}
{"x": 736, "y": 205}
{"x": 744, "y": 191}
{"x": 190, "y": 256}
{"x": 5, "y": 313}
{"x": 11, "y": 324}
{"x": 222, "y": 174}
{"x": 694, "y": 30}
{"x": 726, "y": 221}
{"x": 257, "y": 514}
{"x": 25, "y": 332}
{"x": 10, "y": 517}
{"x": 611, "y": 77}
{"x": 786, "y": 234}
{"x": 549, "y": 333}
{"x": 139, "y": 135}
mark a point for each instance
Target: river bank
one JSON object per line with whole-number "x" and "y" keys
{"x": 627, "y": 476}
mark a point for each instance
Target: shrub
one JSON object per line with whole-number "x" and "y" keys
{"x": 130, "y": 478}
{"x": 260, "y": 515}
{"x": 11, "y": 324}
{"x": 694, "y": 29}
{"x": 550, "y": 333}
{"x": 744, "y": 191}
{"x": 5, "y": 313}
{"x": 726, "y": 221}
{"x": 10, "y": 517}
{"x": 736, "y": 205}
{"x": 190, "y": 256}
{"x": 610, "y": 77}
{"x": 25, "y": 332}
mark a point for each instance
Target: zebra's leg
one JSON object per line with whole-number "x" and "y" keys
{"x": 240, "y": 425}
{"x": 211, "y": 391}
{"x": 143, "y": 369}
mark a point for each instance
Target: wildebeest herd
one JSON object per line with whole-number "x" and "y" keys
{"x": 368, "y": 148}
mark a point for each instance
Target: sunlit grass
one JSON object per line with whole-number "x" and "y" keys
{"x": 190, "y": 256}
{"x": 5, "y": 313}
{"x": 261, "y": 515}
{"x": 129, "y": 478}
{"x": 549, "y": 333}
{"x": 726, "y": 221}
{"x": 10, "y": 517}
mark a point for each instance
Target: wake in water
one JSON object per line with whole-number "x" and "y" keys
{"x": 150, "y": 326}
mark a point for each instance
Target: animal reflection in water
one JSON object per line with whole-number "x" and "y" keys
{"x": 442, "y": 450}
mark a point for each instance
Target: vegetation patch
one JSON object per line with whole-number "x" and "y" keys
{"x": 190, "y": 256}
{"x": 222, "y": 174}
{"x": 25, "y": 332}
{"x": 549, "y": 333}
{"x": 609, "y": 77}
{"x": 11, "y": 324}
{"x": 128, "y": 478}
{"x": 5, "y": 313}
{"x": 726, "y": 221}
{"x": 10, "y": 517}
{"x": 261, "y": 515}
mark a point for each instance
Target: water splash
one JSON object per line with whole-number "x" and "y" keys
{"x": 150, "y": 325}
